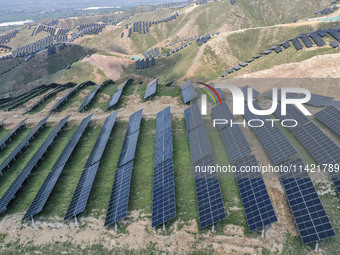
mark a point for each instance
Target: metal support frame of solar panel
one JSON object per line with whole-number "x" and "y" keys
{"x": 163, "y": 197}
{"x": 22, "y": 145}
{"x": 18, "y": 182}
{"x": 116, "y": 96}
{"x": 151, "y": 89}
{"x": 309, "y": 214}
{"x": 10, "y": 135}
{"x": 258, "y": 207}
{"x": 85, "y": 183}
{"x": 208, "y": 193}
{"x": 330, "y": 116}
{"x": 119, "y": 198}
{"x": 274, "y": 141}
{"x": 2, "y": 121}
{"x": 46, "y": 188}
{"x": 69, "y": 94}
{"x": 193, "y": 117}
{"x": 93, "y": 93}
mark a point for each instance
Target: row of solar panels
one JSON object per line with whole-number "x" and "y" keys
{"x": 178, "y": 49}
{"x": 7, "y": 38}
{"x": 189, "y": 39}
{"x": 306, "y": 39}
{"x": 310, "y": 217}
{"x": 203, "y": 39}
{"x": 151, "y": 53}
{"x": 327, "y": 10}
{"x": 145, "y": 63}
{"x": 20, "y": 100}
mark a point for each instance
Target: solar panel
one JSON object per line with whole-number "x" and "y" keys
{"x": 90, "y": 97}
{"x": 245, "y": 93}
{"x": 276, "y": 144}
{"x": 307, "y": 41}
{"x": 330, "y": 116}
{"x": 134, "y": 122}
{"x": 99, "y": 147}
{"x": 129, "y": 149}
{"x": 235, "y": 143}
{"x": 163, "y": 197}
{"x": 22, "y": 145}
{"x": 119, "y": 199}
{"x": 317, "y": 39}
{"x": 151, "y": 89}
{"x": 115, "y": 98}
{"x": 193, "y": 117}
{"x": 222, "y": 112}
{"x": 163, "y": 146}
{"x": 199, "y": 144}
{"x": 309, "y": 214}
{"x": 18, "y": 182}
{"x": 189, "y": 94}
{"x": 208, "y": 193}
{"x": 186, "y": 84}
{"x": 297, "y": 44}
{"x": 82, "y": 192}
{"x": 219, "y": 92}
{"x": 254, "y": 194}
{"x": 292, "y": 113}
{"x": 163, "y": 121}
{"x": 13, "y": 132}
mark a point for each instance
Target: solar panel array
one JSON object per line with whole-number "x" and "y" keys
{"x": 11, "y": 157}
{"x": 151, "y": 89}
{"x": 116, "y": 96}
{"x": 90, "y": 97}
{"x": 254, "y": 194}
{"x": 276, "y": 144}
{"x": 119, "y": 198}
{"x": 188, "y": 92}
{"x": 85, "y": 183}
{"x": 309, "y": 214}
{"x": 53, "y": 176}
{"x": 10, "y": 135}
{"x": 163, "y": 197}
{"x": 18, "y": 182}
{"x": 320, "y": 146}
{"x": 208, "y": 191}
{"x": 297, "y": 44}
{"x": 330, "y": 116}
{"x": 69, "y": 94}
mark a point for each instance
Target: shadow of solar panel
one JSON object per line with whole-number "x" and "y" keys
{"x": 254, "y": 194}
{"x": 163, "y": 147}
{"x": 222, "y": 112}
{"x": 129, "y": 149}
{"x": 292, "y": 113}
{"x": 189, "y": 94}
{"x": 82, "y": 192}
{"x": 235, "y": 143}
{"x": 330, "y": 116}
{"x": 150, "y": 89}
{"x": 119, "y": 199}
{"x": 100, "y": 145}
{"x": 163, "y": 121}
{"x": 134, "y": 122}
{"x": 193, "y": 117}
{"x": 276, "y": 144}
{"x": 163, "y": 197}
{"x": 309, "y": 214}
{"x": 18, "y": 182}
{"x": 208, "y": 193}
{"x": 199, "y": 144}
{"x": 23, "y": 144}
{"x": 12, "y": 133}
